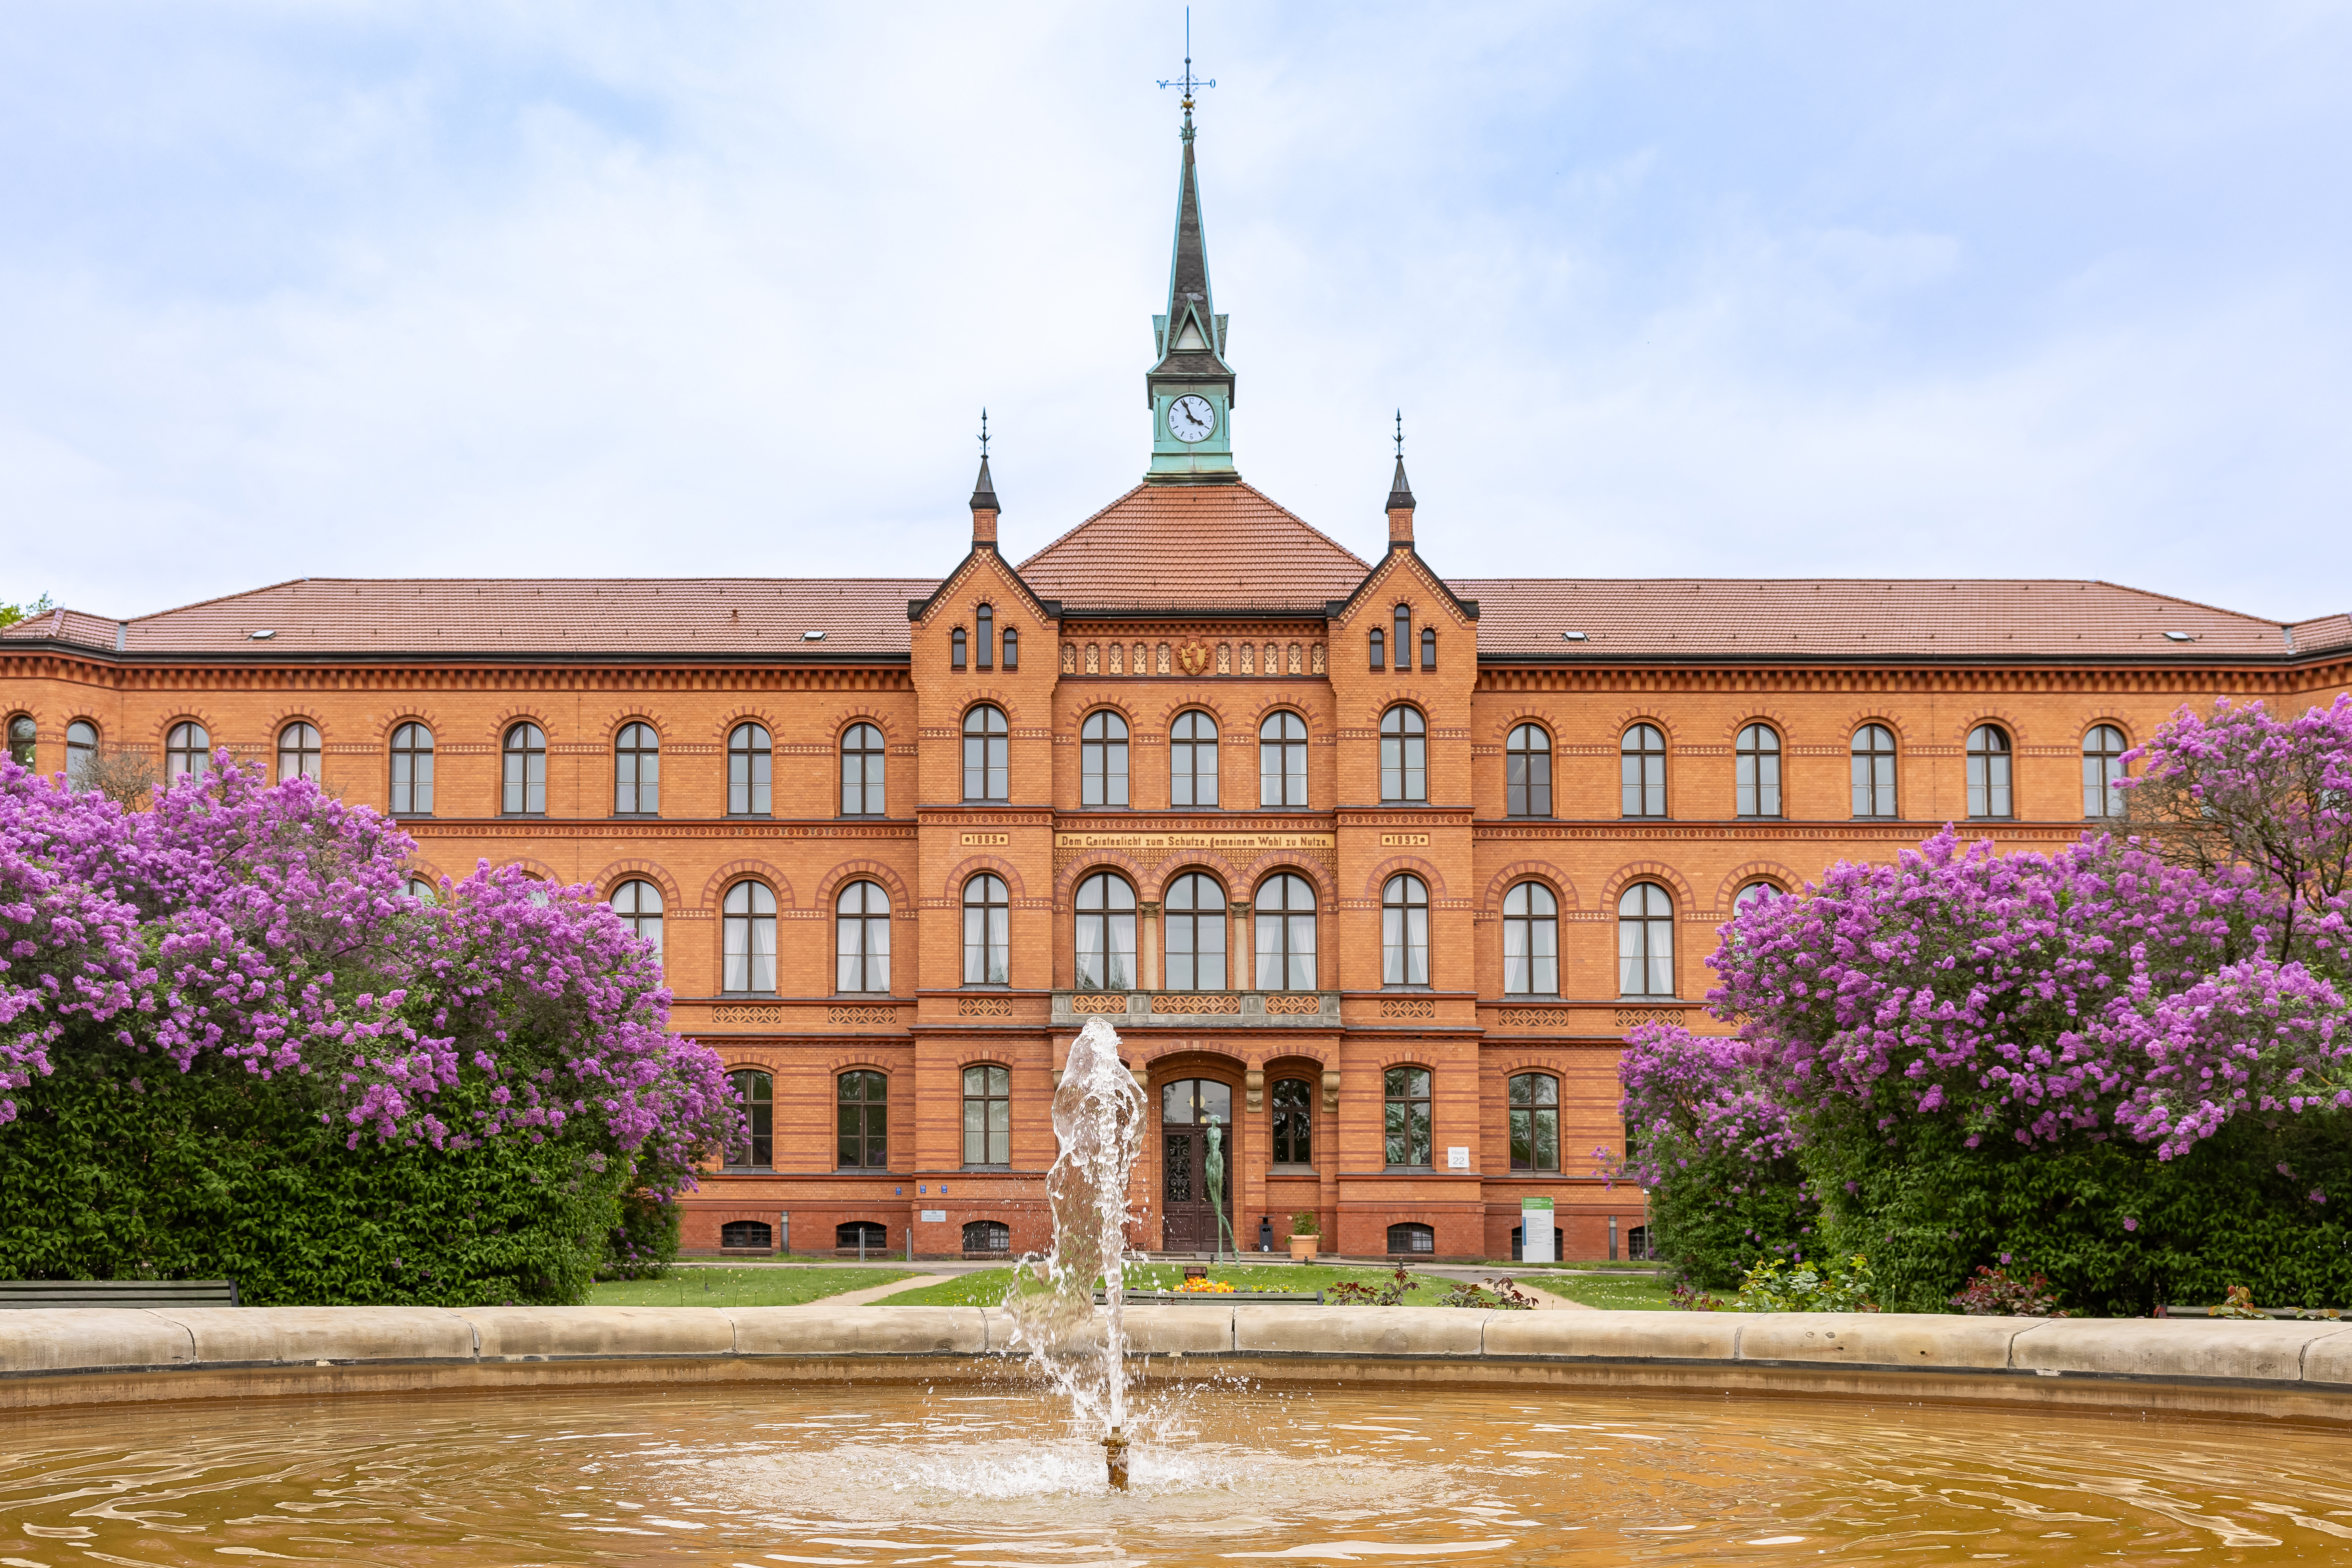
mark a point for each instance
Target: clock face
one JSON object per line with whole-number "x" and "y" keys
{"x": 1192, "y": 417}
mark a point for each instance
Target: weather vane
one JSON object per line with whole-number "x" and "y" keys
{"x": 983, "y": 433}
{"x": 1188, "y": 81}
{"x": 1400, "y": 435}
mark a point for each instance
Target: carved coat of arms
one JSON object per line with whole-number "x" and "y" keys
{"x": 1192, "y": 658}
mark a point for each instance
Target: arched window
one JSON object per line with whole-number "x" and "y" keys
{"x": 1404, "y": 754}
{"x": 1988, "y": 772}
{"x": 863, "y": 1115}
{"x": 861, "y": 771}
{"x": 1751, "y": 894}
{"x": 525, "y": 771}
{"x": 23, "y": 735}
{"x": 1535, "y": 1122}
{"x": 1645, "y": 941}
{"x": 2102, "y": 771}
{"x": 987, "y": 1116}
{"x": 746, "y": 1235}
{"x": 1106, "y": 933}
{"x": 1642, "y": 771}
{"x": 639, "y": 905}
{"x": 751, "y": 758}
{"x": 1429, "y": 648}
{"x": 985, "y": 775}
{"x": 1294, "y": 1101}
{"x": 297, "y": 751}
{"x": 637, "y": 772}
{"x": 1404, "y": 636}
{"x": 1526, "y": 772}
{"x": 1404, "y": 932}
{"x": 1194, "y": 910}
{"x": 987, "y": 1238}
{"x": 1282, "y": 759}
{"x": 1409, "y": 1239}
{"x": 1192, "y": 760}
{"x": 1758, "y": 761}
{"x": 983, "y": 638}
{"x": 412, "y": 770}
{"x": 1102, "y": 760}
{"x": 1530, "y": 940}
{"x": 1196, "y": 1102}
{"x": 748, "y": 917}
{"x": 757, "y": 1090}
{"x": 1378, "y": 642}
{"x": 1406, "y": 1090}
{"x": 423, "y": 891}
{"x": 81, "y": 752}
{"x": 955, "y": 649}
{"x": 187, "y": 752}
{"x": 1285, "y": 934}
{"x": 1873, "y": 771}
{"x": 861, "y": 938}
{"x": 860, "y": 1235}
{"x": 1012, "y": 647}
{"x": 987, "y": 959}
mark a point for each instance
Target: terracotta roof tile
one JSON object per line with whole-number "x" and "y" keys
{"x": 2322, "y": 633}
{"x": 65, "y": 626}
{"x": 1166, "y": 548}
{"x": 1850, "y": 617}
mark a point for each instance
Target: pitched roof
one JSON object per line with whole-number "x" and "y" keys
{"x": 1701, "y": 618}
{"x": 1167, "y": 549}
{"x": 2321, "y": 633}
{"x": 623, "y": 616}
{"x": 65, "y": 626}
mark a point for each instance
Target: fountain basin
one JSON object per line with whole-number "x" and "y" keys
{"x": 2301, "y": 1371}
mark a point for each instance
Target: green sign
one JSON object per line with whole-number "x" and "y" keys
{"x": 1533, "y": 1205}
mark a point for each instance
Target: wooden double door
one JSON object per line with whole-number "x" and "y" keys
{"x": 1189, "y": 1170}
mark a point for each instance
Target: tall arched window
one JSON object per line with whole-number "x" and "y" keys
{"x": 863, "y": 1122}
{"x": 1535, "y": 1122}
{"x": 187, "y": 752}
{"x": 748, "y": 938}
{"x": 1404, "y": 754}
{"x": 1282, "y": 759}
{"x": 1873, "y": 771}
{"x": 1645, "y": 941}
{"x": 983, "y": 638}
{"x": 1102, "y": 760}
{"x": 1194, "y": 912}
{"x": 955, "y": 649}
{"x": 751, "y": 758}
{"x": 1429, "y": 648}
{"x": 297, "y": 751}
{"x": 987, "y": 943}
{"x": 1377, "y": 640}
{"x": 1989, "y": 773}
{"x": 1406, "y": 1090}
{"x": 23, "y": 734}
{"x": 861, "y": 771}
{"x": 987, "y": 1116}
{"x": 1642, "y": 771}
{"x": 1756, "y": 758}
{"x": 1404, "y": 932}
{"x": 757, "y": 1090}
{"x": 1526, "y": 772}
{"x": 1294, "y": 1116}
{"x": 1752, "y": 894}
{"x": 524, "y": 772}
{"x": 861, "y": 938}
{"x": 1192, "y": 760}
{"x": 2103, "y": 772}
{"x": 1012, "y": 647}
{"x": 412, "y": 770}
{"x": 1106, "y": 933}
{"x": 637, "y": 772}
{"x": 1530, "y": 940}
{"x": 81, "y": 752}
{"x": 1404, "y": 636}
{"x": 639, "y": 905}
{"x": 985, "y": 770}
{"x": 421, "y": 890}
{"x": 1285, "y": 934}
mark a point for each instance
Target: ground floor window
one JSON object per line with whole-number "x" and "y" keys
{"x": 1637, "y": 1242}
{"x": 746, "y": 1233}
{"x": 874, "y": 1237}
{"x": 1412, "y": 1238}
{"x": 987, "y": 1236}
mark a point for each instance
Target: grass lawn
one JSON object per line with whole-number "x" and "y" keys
{"x": 739, "y": 1287}
{"x": 987, "y": 1288}
{"x": 1634, "y": 1293}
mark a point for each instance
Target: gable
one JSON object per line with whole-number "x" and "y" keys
{"x": 1169, "y": 549}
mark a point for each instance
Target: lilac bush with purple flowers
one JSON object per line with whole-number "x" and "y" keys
{"x": 2124, "y": 1061}
{"x": 258, "y": 939}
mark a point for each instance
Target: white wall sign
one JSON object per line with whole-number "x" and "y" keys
{"x": 1535, "y": 1231}
{"x": 935, "y": 1216}
{"x": 1457, "y": 1159}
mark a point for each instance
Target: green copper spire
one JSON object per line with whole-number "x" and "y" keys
{"x": 1190, "y": 389}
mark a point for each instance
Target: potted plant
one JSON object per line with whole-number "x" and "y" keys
{"x": 1305, "y": 1233}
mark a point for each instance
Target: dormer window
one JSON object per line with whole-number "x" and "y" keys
{"x": 984, "y": 621}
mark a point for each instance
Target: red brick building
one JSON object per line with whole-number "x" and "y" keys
{"x": 1373, "y": 865}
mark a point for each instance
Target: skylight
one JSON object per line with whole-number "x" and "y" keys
{"x": 1572, "y": 637}
{"x": 264, "y": 635}
{"x": 811, "y": 637}
{"x": 2180, "y": 637}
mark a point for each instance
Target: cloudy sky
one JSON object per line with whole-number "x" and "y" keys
{"x": 335, "y": 288}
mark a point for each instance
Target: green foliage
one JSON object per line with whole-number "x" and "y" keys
{"x": 11, "y": 614}
{"x": 1714, "y": 1216}
{"x": 120, "y": 1167}
{"x": 645, "y": 1243}
{"x": 1306, "y": 1222}
{"x": 1775, "y": 1285}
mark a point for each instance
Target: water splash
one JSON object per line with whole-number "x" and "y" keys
{"x": 1098, "y": 1122}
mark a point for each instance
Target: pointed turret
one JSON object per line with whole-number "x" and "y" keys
{"x": 1400, "y": 506}
{"x": 1190, "y": 388}
{"x": 984, "y": 494}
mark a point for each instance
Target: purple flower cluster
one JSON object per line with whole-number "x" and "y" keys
{"x": 268, "y": 926}
{"x": 2150, "y": 987}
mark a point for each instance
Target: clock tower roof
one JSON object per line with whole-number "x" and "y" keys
{"x": 1191, "y": 335}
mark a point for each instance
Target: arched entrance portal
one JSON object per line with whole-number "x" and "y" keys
{"x": 1188, "y": 1107}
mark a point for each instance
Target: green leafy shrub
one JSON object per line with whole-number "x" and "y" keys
{"x": 1775, "y": 1285}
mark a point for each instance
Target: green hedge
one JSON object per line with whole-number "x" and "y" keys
{"x": 120, "y": 1167}
{"x": 1715, "y": 1216}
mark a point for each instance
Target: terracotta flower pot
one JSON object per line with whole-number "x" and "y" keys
{"x": 1302, "y": 1248}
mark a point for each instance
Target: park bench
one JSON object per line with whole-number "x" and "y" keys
{"x": 118, "y": 1293}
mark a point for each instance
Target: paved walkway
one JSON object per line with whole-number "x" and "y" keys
{"x": 877, "y": 1292}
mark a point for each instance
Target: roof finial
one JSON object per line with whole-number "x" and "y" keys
{"x": 983, "y": 435}
{"x": 1188, "y": 81}
{"x": 1400, "y": 435}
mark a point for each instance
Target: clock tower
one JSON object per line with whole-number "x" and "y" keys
{"x": 1190, "y": 388}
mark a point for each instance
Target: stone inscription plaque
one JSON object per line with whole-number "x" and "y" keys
{"x": 1226, "y": 843}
